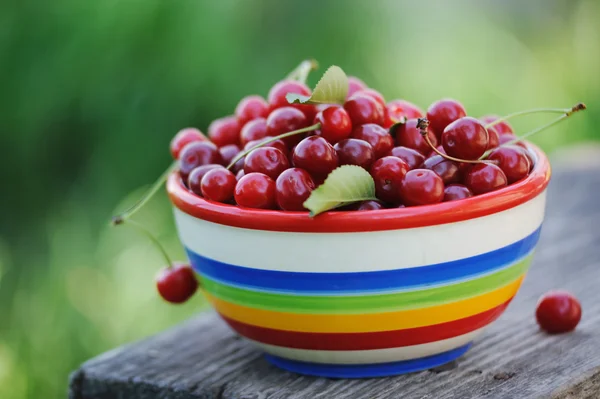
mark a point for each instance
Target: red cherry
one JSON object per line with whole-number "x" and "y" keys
{"x": 485, "y": 177}
{"x": 255, "y": 190}
{"x": 397, "y": 109}
{"x": 369, "y": 206}
{"x": 228, "y": 152}
{"x": 335, "y": 124}
{"x": 251, "y": 107}
{"x": 388, "y": 173}
{"x": 278, "y": 92}
{"x": 558, "y": 312}
{"x": 293, "y": 187}
{"x": 502, "y": 127}
{"x": 267, "y": 160}
{"x": 421, "y": 187}
{"x": 455, "y": 192}
{"x": 465, "y": 138}
{"x": 412, "y": 157}
{"x": 196, "y": 175}
{"x": 363, "y": 109}
{"x": 176, "y": 284}
{"x": 506, "y": 137}
{"x": 355, "y": 152}
{"x": 315, "y": 155}
{"x": 354, "y": 85}
{"x": 379, "y": 138}
{"x": 493, "y": 138}
{"x": 408, "y": 135}
{"x": 224, "y": 131}
{"x": 442, "y": 113}
{"x": 218, "y": 185}
{"x": 183, "y": 138}
{"x": 256, "y": 129}
{"x": 513, "y": 162}
{"x": 440, "y": 148}
{"x": 197, "y": 154}
{"x": 448, "y": 170}
{"x": 284, "y": 120}
{"x": 375, "y": 94}
{"x": 279, "y": 144}
{"x": 239, "y": 174}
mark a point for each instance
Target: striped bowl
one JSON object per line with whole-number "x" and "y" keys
{"x": 364, "y": 294}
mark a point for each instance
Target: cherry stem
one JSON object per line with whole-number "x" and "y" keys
{"x": 122, "y": 217}
{"x": 567, "y": 113}
{"x": 154, "y": 240}
{"x": 272, "y": 139}
{"x": 531, "y": 111}
{"x": 423, "y": 124}
{"x": 301, "y": 72}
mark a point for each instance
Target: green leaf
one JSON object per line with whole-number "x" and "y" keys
{"x": 345, "y": 185}
{"x": 393, "y": 129}
{"x": 331, "y": 89}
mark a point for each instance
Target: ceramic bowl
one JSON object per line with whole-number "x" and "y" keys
{"x": 364, "y": 294}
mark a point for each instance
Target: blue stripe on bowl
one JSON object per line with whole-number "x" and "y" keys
{"x": 368, "y": 370}
{"x": 363, "y": 282}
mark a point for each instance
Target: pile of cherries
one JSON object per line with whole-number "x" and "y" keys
{"x": 403, "y": 163}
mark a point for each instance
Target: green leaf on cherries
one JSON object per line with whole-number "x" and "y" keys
{"x": 331, "y": 89}
{"x": 393, "y": 129}
{"x": 345, "y": 185}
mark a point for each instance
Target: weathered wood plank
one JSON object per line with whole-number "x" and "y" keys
{"x": 203, "y": 359}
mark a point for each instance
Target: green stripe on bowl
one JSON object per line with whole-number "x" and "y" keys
{"x": 374, "y": 303}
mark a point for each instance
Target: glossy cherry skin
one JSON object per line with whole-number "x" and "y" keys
{"x": 279, "y": 144}
{"x": 433, "y": 153}
{"x": 412, "y": 157}
{"x": 315, "y": 155}
{"x": 421, "y": 187}
{"x": 267, "y": 160}
{"x": 255, "y": 129}
{"x": 284, "y": 120}
{"x": 493, "y": 138}
{"x": 354, "y": 85}
{"x": 397, "y": 109}
{"x": 502, "y": 127}
{"x": 484, "y": 177}
{"x": 442, "y": 113}
{"x": 355, "y": 152}
{"x": 335, "y": 124}
{"x": 176, "y": 284}
{"x": 218, "y": 185}
{"x": 196, "y": 175}
{"x": 465, "y": 138}
{"x": 388, "y": 174}
{"x": 448, "y": 170}
{"x": 255, "y": 190}
{"x": 228, "y": 152}
{"x": 506, "y": 137}
{"x": 197, "y": 154}
{"x": 363, "y": 108}
{"x": 239, "y": 174}
{"x": 513, "y": 162}
{"x": 408, "y": 135}
{"x": 183, "y": 138}
{"x": 369, "y": 206}
{"x": 558, "y": 312}
{"x": 293, "y": 187}
{"x": 455, "y": 192}
{"x": 251, "y": 107}
{"x": 224, "y": 131}
{"x": 375, "y": 94}
{"x": 379, "y": 138}
{"x": 277, "y": 99}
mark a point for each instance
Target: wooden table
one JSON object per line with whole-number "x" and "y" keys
{"x": 204, "y": 359}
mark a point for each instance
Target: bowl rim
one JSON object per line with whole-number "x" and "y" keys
{"x": 363, "y": 221}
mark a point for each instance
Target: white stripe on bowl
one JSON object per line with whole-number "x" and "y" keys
{"x": 363, "y": 251}
{"x": 371, "y": 356}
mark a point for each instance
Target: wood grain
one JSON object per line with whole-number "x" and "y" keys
{"x": 203, "y": 359}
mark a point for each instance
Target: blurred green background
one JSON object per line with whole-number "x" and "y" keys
{"x": 91, "y": 92}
